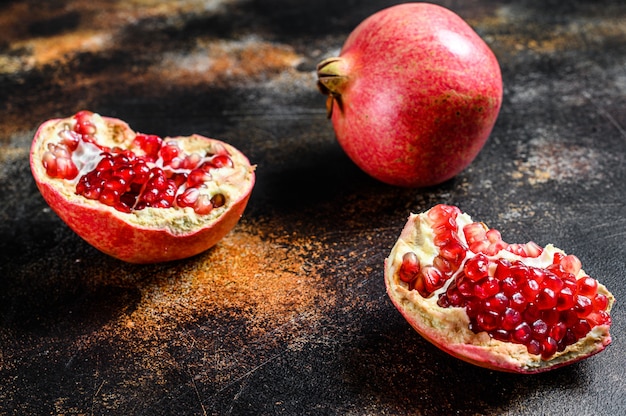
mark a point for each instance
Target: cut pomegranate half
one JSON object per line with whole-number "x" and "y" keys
{"x": 138, "y": 197}
{"x": 510, "y": 307}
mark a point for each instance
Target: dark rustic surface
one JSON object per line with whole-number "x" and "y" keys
{"x": 288, "y": 314}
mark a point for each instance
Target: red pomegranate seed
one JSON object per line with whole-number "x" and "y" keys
{"x": 548, "y": 347}
{"x": 203, "y": 205}
{"x": 444, "y": 266}
{"x": 557, "y": 258}
{"x": 511, "y": 319}
{"x": 472, "y": 307}
{"x": 474, "y": 233}
{"x": 125, "y": 173}
{"x": 488, "y": 320}
{"x": 433, "y": 279}
{"x": 581, "y": 328}
{"x": 465, "y": 287}
{"x": 84, "y": 126}
{"x": 508, "y": 285}
{"x": 587, "y": 286}
{"x": 531, "y": 313}
{"x": 546, "y": 298}
{"x": 477, "y": 267}
{"x": 534, "y": 347}
{"x": 540, "y": 329}
{"x": 518, "y": 301}
{"x": 496, "y": 243}
{"x": 501, "y": 335}
{"x": 486, "y": 287}
{"x": 169, "y": 151}
{"x": 221, "y": 161}
{"x": 605, "y": 318}
{"x": 441, "y": 212}
{"x": 550, "y": 316}
{"x": 197, "y": 177}
{"x": 410, "y": 267}
{"x": 70, "y": 139}
{"x": 596, "y": 318}
{"x": 454, "y": 252}
{"x": 188, "y": 198}
{"x": 522, "y": 333}
{"x": 583, "y": 306}
{"x": 558, "y": 331}
{"x": 150, "y": 145}
{"x": 538, "y": 275}
{"x": 530, "y": 289}
{"x": 109, "y": 197}
{"x": 600, "y": 302}
{"x": 66, "y": 168}
{"x": 484, "y": 241}
{"x": 519, "y": 271}
{"x": 568, "y": 339}
{"x": 454, "y": 297}
{"x": 106, "y": 163}
{"x": 569, "y": 281}
{"x": 529, "y": 249}
{"x": 116, "y": 184}
{"x": 444, "y": 237}
{"x": 446, "y": 224}
{"x": 502, "y": 269}
{"x": 566, "y": 299}
{"x": 58, "y": 163}
{"x": 498, "y": 302}
{"x": 571, "y": 264}
{"x": 552, "y": 282}
{"x": 150, "y": 196}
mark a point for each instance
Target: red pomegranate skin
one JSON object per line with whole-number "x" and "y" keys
{"x": 127, "y": 242}
{"x": 420, "y": 95}
{"x": 109, "y": 231}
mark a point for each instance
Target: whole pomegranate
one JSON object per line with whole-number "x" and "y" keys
{"x": 138, "y": 197}
{"x": 510, "y": 307}
{"x": 414, "y": 94}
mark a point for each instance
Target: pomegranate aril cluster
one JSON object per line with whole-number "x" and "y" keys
{"x": 545, "y": 309}
{"x": 429, "y": 278}
{"x": 151, "y": 173}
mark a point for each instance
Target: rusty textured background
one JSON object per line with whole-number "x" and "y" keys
{"x": 288, "y": 314}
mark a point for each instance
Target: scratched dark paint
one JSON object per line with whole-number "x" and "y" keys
{"x": 288, "y": 315}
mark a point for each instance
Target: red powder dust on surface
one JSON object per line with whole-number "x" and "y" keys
{"x": 217, "y": 317}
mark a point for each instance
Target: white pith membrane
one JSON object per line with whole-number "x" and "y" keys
{"x": 232, "y": 182}
{"x": 449, "y": 328}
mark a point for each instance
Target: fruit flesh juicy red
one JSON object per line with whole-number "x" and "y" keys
{"x": 138, "y": 197}
{"x": 152, "y": 173}
{"x": 507, "y": 290}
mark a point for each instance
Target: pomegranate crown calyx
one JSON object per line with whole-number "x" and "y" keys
{"x": 332, "y": 81}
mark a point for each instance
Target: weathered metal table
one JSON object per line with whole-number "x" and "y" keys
{"x": 288, "y": 314}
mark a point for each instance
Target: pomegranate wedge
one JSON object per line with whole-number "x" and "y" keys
{"x": 509, "y": 307}
{"x": 138, "y": 197}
